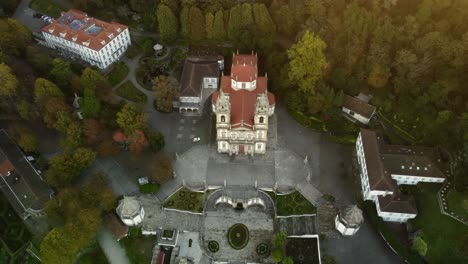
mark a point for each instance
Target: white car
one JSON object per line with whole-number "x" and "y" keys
{"x": 196, "y": 139}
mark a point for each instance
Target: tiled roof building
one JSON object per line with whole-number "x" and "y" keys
{"x": 383, "y": 167}
{"x": 97, "y": 42}
{"x": 242, "y": 106}
{"x": 20, "y": 181}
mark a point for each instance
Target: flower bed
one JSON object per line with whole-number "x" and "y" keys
{"x": 262, "y": 249}
{"x": 292, "y": 204}
{"x": 213, "y": 246}
{"x": 238, "y": 236}
{"x": 186, "y": 200}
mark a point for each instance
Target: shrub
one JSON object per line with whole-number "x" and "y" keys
{"x": 149, "y": 188}
{"x": 420, "y": 246}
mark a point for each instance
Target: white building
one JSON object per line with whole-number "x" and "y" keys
{"x": 357, "y": 109}
{"x": 97, "y": 42}
{"x": 383, "y": 167}
{"x": 349, "y": 220}
{"x": 130, "y": 211}
{"x": 242, "y": 107}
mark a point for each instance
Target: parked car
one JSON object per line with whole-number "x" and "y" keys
{"x": 196, "y": 139}
{"x": 38, "y": 15}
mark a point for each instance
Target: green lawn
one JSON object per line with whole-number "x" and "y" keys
{"x": 446, "y": 238}
{"x": 186, "y": 200}
{"x": 292, "y": 204}
{"x": 458, "y": 203}
{"x": 149, "y": 188}
{"x": 94, "y": 256}
{"x": 48, "y": 7}
{"x": 128, "y": 91}
{"x": 118, "y": 73}
{"x": 139, "y": 248}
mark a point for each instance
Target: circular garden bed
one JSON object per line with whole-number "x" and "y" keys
{"x": 213, "y": 246}
{"x": 262, "y": 249}
{"x": 238, "y": 236}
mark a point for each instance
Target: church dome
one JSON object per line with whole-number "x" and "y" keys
{"x": 351, "y": 215}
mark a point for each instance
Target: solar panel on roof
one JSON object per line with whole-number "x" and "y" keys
{"x": 76, "y": 24}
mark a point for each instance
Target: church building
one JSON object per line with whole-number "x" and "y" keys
{"x": 242, "y": 107}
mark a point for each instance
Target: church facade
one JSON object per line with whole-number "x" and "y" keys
{"x": 242, "y": 106}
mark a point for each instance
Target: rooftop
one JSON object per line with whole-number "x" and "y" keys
{"x": 397, "y": 203}
{"x": 77, "y": 27}
{"x": 358, "y": 106}
{"x": 195, "y": 69}
{"x": 24, "y": 187}
{"x": 128, "y": 207}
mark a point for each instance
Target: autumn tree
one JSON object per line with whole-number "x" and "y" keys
{"x": 45, "y": 89}
{"x": 164, "y": 88}
{"x": 8, "y": 81}
{"x": 209, "y": 20}
{"x": 93, "y": 130}
{"x": 14, "y": 36}
{"x": 162, "y": 169}
{"x": 167, "y": 23}
{"x": 53, "y": 106}
{"x": 137, "y": 141}
{"x": 196, "y": 24}
{"x": 67, "y": 166}
{"x": 108, "y": 148}
{"x": 58, "y": 247}
{"x": 131, "y": 118}
{"x": 264, "y": 27}
{"x": 307, "y": 62}
{"x": 93, "y": 80}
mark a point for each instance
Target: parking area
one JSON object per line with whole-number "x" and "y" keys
{"x": 27, "y": 17}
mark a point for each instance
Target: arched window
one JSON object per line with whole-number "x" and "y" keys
{"x": 261, "y": 120}
{"x": 223, "y": 119}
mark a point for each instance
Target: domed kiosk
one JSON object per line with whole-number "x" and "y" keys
{"x": 349, "y": 220}
{"x": 130, "y": 211}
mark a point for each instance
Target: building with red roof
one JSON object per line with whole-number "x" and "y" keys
{"x": 242, "y": 106}
{"x": 97, "y": 42}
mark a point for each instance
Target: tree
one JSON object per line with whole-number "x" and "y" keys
{"x": 45, "y": 89}
{"x": 64, "y": 168}
{"x": 90, "y": 104}
{"x": 184, "y": 22}
{"x": 196, "y": 24}
{"x": 27, "y": 141}
{"x": 98, "y": 194}
{"x": 277, "y": 255}
{"x": 307, "y": 61}
{"x": 167, "y": 23}
{"x": 378, "y": 76}
{"x": 219, "y": 32}
{"x": 137, "y": 141}
{"x": 155, "y": 140}
{"x": 164, "y": 88}
{"x": 162, "y": 169}
{"x": 14, "y": 36}
{"x": 131, "y": 118}
{"x": 39, "y": 60}
{"x": 209, "y": 20}
{"x": 8, "y": 81}
{"x": 108, "y": 148}
{"x": 287, "y": 260}
{"x": 420, "y": 246}
{"x": 93, "y": 80}
{"x": 93, "y": 130}
{"x": 264, "y": 27}
{"x": 59, "y": 247}
{"x": 52, "y": 107}
{"x": 61, "y": 72}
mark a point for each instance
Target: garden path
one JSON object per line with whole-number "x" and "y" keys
{"x": 115, "y": 254}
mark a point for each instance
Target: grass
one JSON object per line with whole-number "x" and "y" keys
{"x": 446, "y": 238}
{"x": 458, "y": 203}
{"x": 94, "y": 256}
{"x": 118, "y": 73}
{"x": 138, "y": 247}
{"x": 128, "y": 91}
{"x": 149, "y": 188}
{"x": 13, "y": 232}
{"x": 186, "y": 200}
{"x": 47, "y": 7}
{"x": 292, "y": 204}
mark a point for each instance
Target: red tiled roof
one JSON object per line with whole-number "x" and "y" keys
{"x": 243, "y": 101}
{"x": 5, "y": 167}
{"x": 76, "y": 24}
{"x": 243, "y": 108}
{"x": 244, "y": 68}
